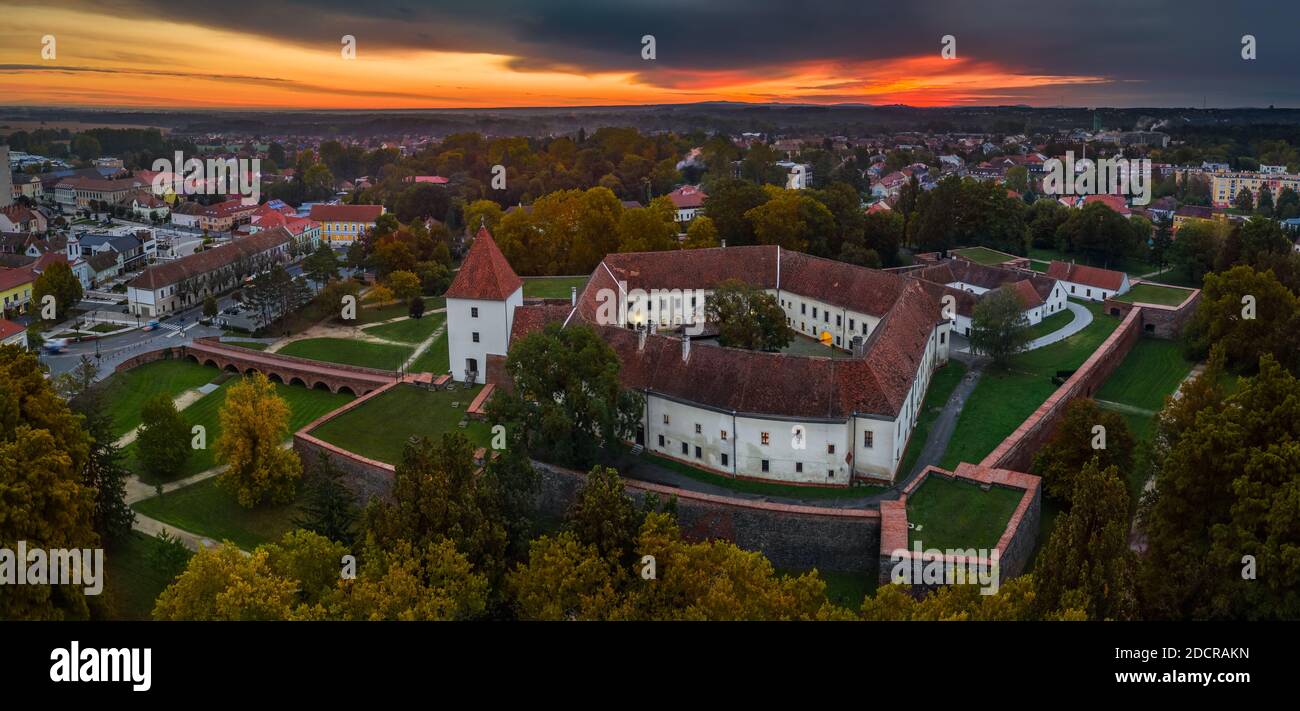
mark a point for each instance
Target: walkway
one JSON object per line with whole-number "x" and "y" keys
{"x": 1137, "y": 539}
{"x": 944, "y": 426}
{"x": 426, "y": 343}
{"x": 1082, "y": 317}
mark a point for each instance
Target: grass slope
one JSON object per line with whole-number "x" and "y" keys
{"x": 1154, "y": 294}
{"x": 342, "y": 350}
{"x": 380, "y": 427}
{"x": 208, "y": 510}
{"x": 129, "y": 390}
{"x": 435, "y": 359}
{"x": 552, "y": 287}
{"x": 942, "y": 384}
{"x": 408, "y": 330}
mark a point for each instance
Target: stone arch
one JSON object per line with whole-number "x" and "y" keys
{"x": 231, "y": 367}
{"x": 295, "y": 380}
{"x": 348, "y": 388}
{"x": 321, "y": 385}
{"x": 191, "y": 356}
{"x": 275, "y": 377}
{"x": 1114, "y": 311}
{"x": 211, "y": 362}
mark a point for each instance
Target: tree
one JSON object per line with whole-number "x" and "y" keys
{"x": 1244, "y": 200}
{"x": 322, "y": 265}
{"x": 1265, "y": 206}
{"x": 1017, "y": 179}
{"x": 209, "y": 306}
{"x": 1219, "y": 524}
{"x": 58, "y": 281}
{"x": 747, "y": 317}
{"x": 1221, "y": 318}
{"x": 1072, "y": 444}
{"x": 105, "y": 473}
{"x": 604, "y": 516}
{"x": 415, "y": 307}
{"x": 1260, "y": 237}
{"x": 1161, "y": 243}
{"x": 567, "y": 403}
{"x": 1099, "y": 231}
{"x": 381, "y": 295}
{"x": 412, "y": 583}
{"x": 438, "y": 494}
{"x": 792, "y": 220}
{"x": 1087, "y": 563}
{"x": 404, "y": 285}
{"x": 999, "y": 328}
{"x": 482, "y": 213}
{"x": 1196, "y": 247}
{"x": 254, "y": 423}
{"x": 163, "y": 441}
{"x": 727, "y": 203}
{"x": 702, "y": 233}
{"x": 221, "y": 583}
{"x": 647, "y": 229}
{"x": 43, "y": 494}
{"x": 328, "y": 508}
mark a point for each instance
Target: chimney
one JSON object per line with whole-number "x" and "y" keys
{"x": 724, "y": 244}
{"x": 640, "y": 339}
{"x": 686, "y": 348}
{"x": 573, "y": 296}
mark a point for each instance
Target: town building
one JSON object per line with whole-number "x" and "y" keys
{"x": 165, "y": 288}
{"x": 967, "y": 282}
{"x": 12, "y": 334}
{"x": 688, "y": 200}
{"x": 16, "y": 289}
{"x": 79, "y": 192}
{"x": 344, "y": 224}
{"x": 1224, "y": 187}
{"x": 1091, "y": 283}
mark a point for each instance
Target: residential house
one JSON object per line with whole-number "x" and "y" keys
{"x": 688, "y": 201}
{"x": 12, "y": 334}
{"x": 172, "y": 286}
{"x": 1091, "y": 283}
{"x": 344, "y": 224}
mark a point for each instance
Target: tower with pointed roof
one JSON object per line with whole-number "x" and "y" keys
{"x": 481, "y": 305}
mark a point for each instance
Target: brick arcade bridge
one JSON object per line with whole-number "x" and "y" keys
{"x": 289, "y": 370}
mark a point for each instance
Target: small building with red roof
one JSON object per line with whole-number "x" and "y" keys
{"x": 481, "y": 303}
{"x": 689, "y": 201}
{"x": 12, "y": 334}
{"x": 1091, "y": 283}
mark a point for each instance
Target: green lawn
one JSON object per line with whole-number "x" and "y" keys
{"x": 1039, "y": 265}
{"x": 945, "y": 380}
{"x": 1055, "y": 322}
{"x": 408, "y": 330}
{"x": 129, "y": 390}
{"x": 305, "y": 405}
{"x": 552, "y": 287}
{"x": 375, "y": 314}
{"x": 131, "y": 581}
{"x": 435, "y": 358}
{"x": 1004, "y": 398}
{"x": 106, "y": 327}
{"x": 1152, "y": 370}
{"x": 210, "y": 511}
{"x": 984, "y": 255}
{"x": 844, "y": 589}
{"x": 1154, "y": 294}
{"x": 380, "y": 427}
{"x": 251, "y": 345}
{"x": 763, "y": 488}
{"x": 957, "y": 514}
{"x": 341, "y": 350}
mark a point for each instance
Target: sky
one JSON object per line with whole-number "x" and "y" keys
{"x": 513, "y": 53}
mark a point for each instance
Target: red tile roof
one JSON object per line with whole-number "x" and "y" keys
{"x": 1114, "y": 202}
{"x": 687, "y": 196}
{"x": 1029, "y": 297}
{"x": 9, "y": 328}
{"x": 10, "y": 278}
{"x": 160, "y": 275}
{"x": 346, "y": 213}
{"x": 1090, "y": 276}
{"x": 485, "y": 273}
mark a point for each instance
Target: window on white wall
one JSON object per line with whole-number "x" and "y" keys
{"x": 868, "y": 439}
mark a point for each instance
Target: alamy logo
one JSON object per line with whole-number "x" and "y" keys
{"x": 659, "y": 307}
{"x": 55, "y": 566}
{"x": 1105, "y": 176}
{"x": 214, "y": 176}
{"x": 931, "y": 566}
{"x": 90, "y": 664}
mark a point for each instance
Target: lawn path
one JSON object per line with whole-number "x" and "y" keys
{"x": 1137, "y": 538}
{"x": 1082, "y": 318}
{"x": 941, "y": 431}
{"x": 182, "y": 401}
{"x": 424, "y": 345}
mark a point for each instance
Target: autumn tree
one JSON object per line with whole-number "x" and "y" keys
{"x": 1247, "y": 311}
{"x": 163, "y": 441}
{"x": 1075, "y": 442}
{"x": 254, "y": 425}
{"x": 701, "y": 234}
{"x": 747, "y": 317}
{"x": 647, "y": 229}
{"x": 44, "y": 499}
{"x": 792, "y": 220}
{"x": 999, "y": 328}
{"x": 567, "y": 404}
{"x": 404, "y": 285}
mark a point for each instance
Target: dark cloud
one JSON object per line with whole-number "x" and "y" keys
{"x": 1173, "y": 51}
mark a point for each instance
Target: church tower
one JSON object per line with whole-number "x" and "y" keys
{"x": 481, "y": 305}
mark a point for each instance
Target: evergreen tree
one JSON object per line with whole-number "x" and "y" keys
{"x": 329, "y": 508}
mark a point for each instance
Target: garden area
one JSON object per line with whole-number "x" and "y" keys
{"x": 380, "y": 427}
{"x": 129, "y": 390}
{"x": 1154, "y": 294}
{"x": 208, "y": 510}
{"x": 408, "y": 330}
{"x": 984, "y": 255}
{"x": 1133, "y": 266}
{"x": 953, "y": 513}
{"x": 1005, "y": 397}
{"x": 1055, "y": 322}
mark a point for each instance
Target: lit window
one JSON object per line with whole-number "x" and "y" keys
{"x": 764, "y": 438}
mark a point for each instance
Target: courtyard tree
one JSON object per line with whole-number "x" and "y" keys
{"x": 747, "y": 317}
{"x": 647, "y": 229}
{"x": 415, "y": 307}
{"x": 163, "y": 441}
{"x": 58, "y": 281}
{"x": 254, "y": 425}
{"x": 404, "y": 285}
{"x": 999, "y": 328}
{"x": 1197, "y": 247}
{"x": 567, "y": 404}
{"x": 328, "y": 508}
{"x": 44, "y": 497}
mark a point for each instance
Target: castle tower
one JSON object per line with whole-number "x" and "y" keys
{"x": 481, "y": 305}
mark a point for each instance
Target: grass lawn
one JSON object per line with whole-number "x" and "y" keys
{"x": 1152, "y": 370}
{"x": 250, "y": 345}
{"x": 305, "y": 405}
{"x": 1005, "y": 397}
{"x": 106, "y": 327}
{"x": 1055, "y": 322}
{"x": 380, "y": 428}
{"x": 552, "y": 287}
{"x": 984, "y": 255}
{"x": 846, "y": 589}
{"x": 129, "y": 390}
{"x": 1154, "y": 294}
{"x": 375, "y": 314}
{"x": 341, "y": 350}
{"x": 763, "y": 488}
{"x": 958, "y": 514}
{"x": 208, "y": 510}
{"x": 945, "y": 380}
{"x": 408, "y": 330}
{"x": 435, "y": 358}
{"x": 131, "y": 581}
{"x": 1039, "y": 265}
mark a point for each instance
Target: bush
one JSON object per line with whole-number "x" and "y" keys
{"x": 417, "y": 307}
